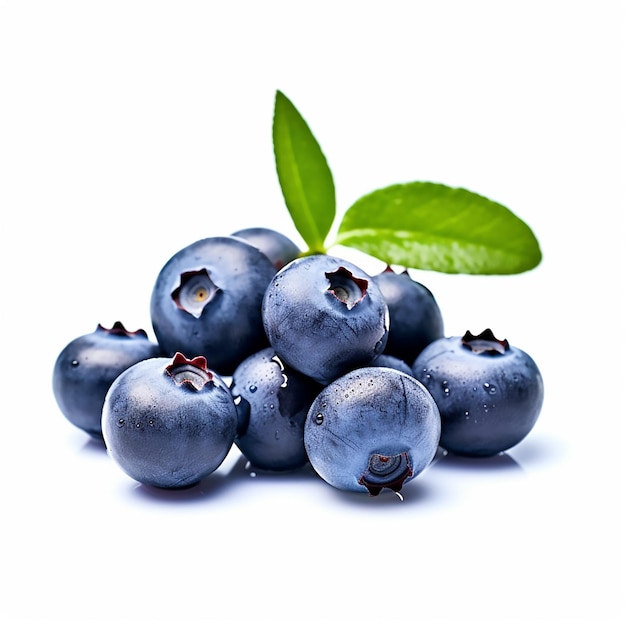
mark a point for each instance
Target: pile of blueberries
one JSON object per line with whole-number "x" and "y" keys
{"x": 295, "y": 359}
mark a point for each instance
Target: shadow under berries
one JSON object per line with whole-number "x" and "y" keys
{"x": 94, "y": 445}
{"x": 243, "y": 470}
{"x": 416, "y": 493}
{"x": 208, "y": 488}
{"x": 501, "y": 462}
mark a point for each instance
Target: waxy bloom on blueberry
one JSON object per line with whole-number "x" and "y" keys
{"x": 372, "y": 428}
{"x": 86, "y": 367}
{"x": 489, "y": 393}
{"x": 169, "y": 423}
{"x": 415, "y": 319}
{"x": 272, "y": 403}
{"x": 207, "y": 300}
{"x": 325, "y": 316}
{"x": 388, "y": 360}
{"x": 278, "y": 248}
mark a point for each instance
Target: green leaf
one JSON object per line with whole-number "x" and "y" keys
{"x": 430, "y": 226}
{"x": 305, "y": 178}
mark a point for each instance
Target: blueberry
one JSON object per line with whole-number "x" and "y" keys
{"x": 324, "y": 316}
{"x": 207, "y": 301}
{"x": 373, "y": 428}
{"x": 489, "y": 393}
{"x": 415, "y": 319}
{"x": 272, "y": 403}
{"x": 388, "y": 360}
{"x": 169, "y": 422}
{"x": 276, "y": 246}
{"x": 86, "y": 367}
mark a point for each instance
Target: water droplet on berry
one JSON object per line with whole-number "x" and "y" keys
{"x": 121, "y": 422}
{"x": 489, "y": 388}
{"x": 318, "y": 419}
{"x": 75, "y": 363}
{"x": 445, "y": 388}
{"x": 252, "y": 388}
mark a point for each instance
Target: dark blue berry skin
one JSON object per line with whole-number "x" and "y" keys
{"x": 325, "y": 316}
{"x": 169, "y": 423}
{"x": 387, "y": 360}
{"x": 277, "y": 247}
{"x": 86, "y": 367}
{"x": 415, "y": 319}
{"x": 207, "y": 301}
{"x": 489, "y": 393}
{"x": 371, "y": 429}
{"x": 272, "y": 402}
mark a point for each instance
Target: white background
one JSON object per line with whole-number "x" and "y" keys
{"x": 130, "y": 129}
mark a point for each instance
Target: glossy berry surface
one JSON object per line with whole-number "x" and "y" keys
{"x": 489, "y": 393}
{"x": 169, "y": 422}
{"x": 415, "y": 319}
{"x": 87, "y": 366}
{"x": 324, "y": 316}
{"x": 207, "y": 301}
{"x": 277, "y": 247}
{"x": 371, "y": 429}
{"x": 272, "y": 402}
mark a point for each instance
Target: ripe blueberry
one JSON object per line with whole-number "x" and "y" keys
{"x": 370, "y": 429}
{"x": 86, "y": 367}
{"x": 324, "y": 316}
{"x": 207, "y": 301}
{"x": 276, "y": 246}
{"x": 169, "y": 423}
{"x": 415, "y": 319}
{"x": 272, "y": 402}
{"x": 489, "y": 393}
{"x": 388, "y": 360}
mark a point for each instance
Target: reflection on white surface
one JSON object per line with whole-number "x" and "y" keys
{"x": 447, "y": 473}
{"x": 491, "y": 530}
